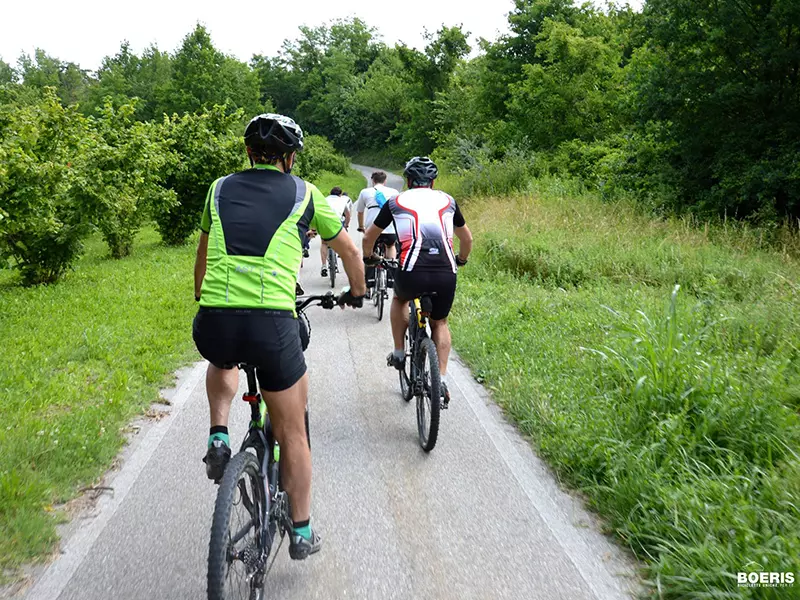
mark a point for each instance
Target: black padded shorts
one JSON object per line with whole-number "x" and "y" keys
{"x": 411, "y": 284}
{"x": 387, "y": 239}
{"x": 268, "y": 339}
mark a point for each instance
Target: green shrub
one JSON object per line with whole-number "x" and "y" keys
{"x": 128, "y": 162}
{"x": 206, "y": 149}
{"x": 319, "y": 155}
{"x": 43, "y": 148}
{"x": 470, "y": 169}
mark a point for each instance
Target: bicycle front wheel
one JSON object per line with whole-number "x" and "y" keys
{"x": 429, "y": 397}
{"x": 236, "y": 553}
{"x": 407, "y": 375}
{"x": 332, "y": 266}
{"x": 380, "y": 284}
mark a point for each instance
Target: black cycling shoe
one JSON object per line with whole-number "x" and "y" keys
{"x": 445, "y": 397}
{"x": 216, "y": 460}
{"x": 397, "y": 363}
{"x": 300, "y": 548}
{"x": 324, "y": 272}
{"x": 305, "y": 252}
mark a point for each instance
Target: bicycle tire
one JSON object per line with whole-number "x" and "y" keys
{"x": 432, "y": 392}
{"x": 407, "y": 373}
{"x": 332, "y": 267}
{"x": 381, "y": 291}
{"x": 308, "y": 430}
{"x": 219, "y": 568}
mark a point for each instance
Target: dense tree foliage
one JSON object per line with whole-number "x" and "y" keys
{"x": 686, "y": 105}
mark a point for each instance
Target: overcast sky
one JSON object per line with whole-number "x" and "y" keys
{"x": 84, "y": 31}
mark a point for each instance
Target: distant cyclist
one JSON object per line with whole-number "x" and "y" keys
{"x": 425, "y": 220}
{"x": 370, "y": 201}
{"x": 340, "y": 205}
{"x": 245, "y": 280}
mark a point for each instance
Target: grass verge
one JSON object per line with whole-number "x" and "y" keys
{"x": 675, "y": 410}
{"x": 82, "y": 358}
{"x": 352, "y": 183}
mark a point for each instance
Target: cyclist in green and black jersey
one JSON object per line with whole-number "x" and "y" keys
{"x": 245, "y": 276}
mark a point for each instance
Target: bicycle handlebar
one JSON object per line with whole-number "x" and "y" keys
{"x": 326, "y": 301}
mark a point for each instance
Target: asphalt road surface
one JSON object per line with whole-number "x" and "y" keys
{"x": 480, "y": 517}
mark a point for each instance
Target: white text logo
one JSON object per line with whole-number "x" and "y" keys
{"x": 765, "y": 579}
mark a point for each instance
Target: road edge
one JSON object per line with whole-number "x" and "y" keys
{"x": 75, "y": 548}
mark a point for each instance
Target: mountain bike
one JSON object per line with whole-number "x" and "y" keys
{"x": 251, "y": 506}
{"x": 380, "y": 289}
{"x": 332, "y": 266}
{"x": 420, "y": 376}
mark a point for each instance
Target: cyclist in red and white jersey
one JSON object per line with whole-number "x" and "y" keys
{"x": 425, "y": 221}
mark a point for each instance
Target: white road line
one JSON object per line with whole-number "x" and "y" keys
{"x": 587, "y": 563}
{"x": 75, "y": 549}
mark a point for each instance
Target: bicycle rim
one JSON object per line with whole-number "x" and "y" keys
{"x": 236, "y": 556}
{"x": 428, "y": 401}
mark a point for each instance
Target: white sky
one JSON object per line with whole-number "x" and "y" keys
{"x": 84, "y": 31}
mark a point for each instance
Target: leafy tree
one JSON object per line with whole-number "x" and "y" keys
{"x": 506, "y": 57}
{"x": 71, "y": 82}
{"x": 125, "y": 76}
{"x": 571, "y": 92}
{"x": 206, "y": 150}
{"x": 314, "y": 76}
{"x": 42, "y": 147}
{"x": 430, "y": 73}
{"x": 724, "y": 78}
{"x": 129, "y": 159}
{"x": 202, "y": 77}
{"x": 7, "y": 73}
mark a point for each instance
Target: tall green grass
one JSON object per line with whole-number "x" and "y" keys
{"x": 80, "y": 359}
{"x": 656, "y": 366}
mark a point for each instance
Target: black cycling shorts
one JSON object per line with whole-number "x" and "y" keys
{"x": 387, "y": 239}
{"x": 268, "y": 339}
{"x": 411, "y": 284}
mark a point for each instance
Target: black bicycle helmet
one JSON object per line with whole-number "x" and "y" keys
{"x": 273, "y": 133}
{"x": 421, "y": 170}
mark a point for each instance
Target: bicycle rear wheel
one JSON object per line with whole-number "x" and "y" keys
{"x": 428, "y": 401}
{"x": 332, "y": 266}
{"x": 236, "y": 553}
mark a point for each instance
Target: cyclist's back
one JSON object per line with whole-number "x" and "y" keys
{"x": 424, "y": 219}
{"x": 372, "y": 199}
{"x": 255, "y": 251}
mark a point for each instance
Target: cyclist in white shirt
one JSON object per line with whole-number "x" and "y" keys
{"x": 340, "y": 204}
{"x": 371, "y": 201}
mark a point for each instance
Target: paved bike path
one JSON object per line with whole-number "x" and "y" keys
{"x": 480, "y": 517}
